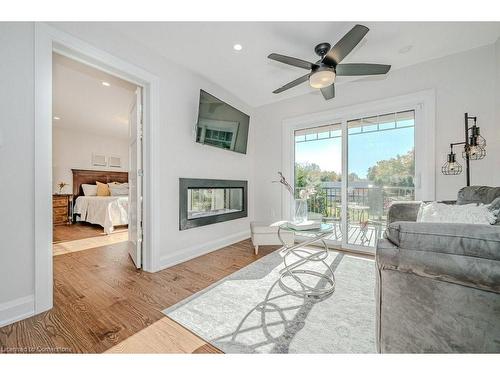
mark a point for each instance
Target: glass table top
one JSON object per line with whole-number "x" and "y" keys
{"x": 324, "y": 228}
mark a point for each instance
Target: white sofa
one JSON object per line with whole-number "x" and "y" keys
{"x": 264, "y": 233}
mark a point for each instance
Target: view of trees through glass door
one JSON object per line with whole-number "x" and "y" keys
{"x": 380, "y": 169}
{"x": 318, "y": 168}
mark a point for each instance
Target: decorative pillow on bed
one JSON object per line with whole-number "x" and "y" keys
{"x": 102, "y": 189}
{"x": 118, "y": 189}
{"x": 435, "y": 212}
{"x": 89, "y": 190}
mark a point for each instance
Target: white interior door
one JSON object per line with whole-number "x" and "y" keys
{"x": 135, "y": 180}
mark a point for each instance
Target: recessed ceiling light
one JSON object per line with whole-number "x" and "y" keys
{"x": 406, "y": 49}
{"x": 107, "y": 84}
{"x": 237, "y": 47}
{"x": 56, "y": 118}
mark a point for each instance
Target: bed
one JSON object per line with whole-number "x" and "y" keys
{"x": 107, "y": 212}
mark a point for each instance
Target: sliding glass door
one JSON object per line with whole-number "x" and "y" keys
{"x": 318, "y": 174}
{"x": 380, "y": 169}
{"x": 354, "y": 189}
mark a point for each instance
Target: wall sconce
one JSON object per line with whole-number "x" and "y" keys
{"x": 474, "y": 149}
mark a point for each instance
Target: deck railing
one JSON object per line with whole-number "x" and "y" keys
{"x": 374, "y": 200}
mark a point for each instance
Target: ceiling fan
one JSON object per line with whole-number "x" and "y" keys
{"x": 323, "y": 72}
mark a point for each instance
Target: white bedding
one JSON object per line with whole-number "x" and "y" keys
{"x": 108, "y": 212}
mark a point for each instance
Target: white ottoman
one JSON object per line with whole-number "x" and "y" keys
{"x": 267, "y": 234}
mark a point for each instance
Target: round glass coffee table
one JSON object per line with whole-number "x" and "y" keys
{"x": 295, "y": 277}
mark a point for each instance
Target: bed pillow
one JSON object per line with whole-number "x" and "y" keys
{"x": 102, "y": 189}
{"x": 89, "y": 190}
{"x": 118, "y": 190}
{"x": 435, "y": 212}
{"x": 118, "y": 184}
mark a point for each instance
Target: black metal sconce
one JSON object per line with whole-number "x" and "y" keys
{"x": 474, "y": 149}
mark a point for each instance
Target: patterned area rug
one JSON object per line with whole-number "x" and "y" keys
{"x": 249, "y": 312}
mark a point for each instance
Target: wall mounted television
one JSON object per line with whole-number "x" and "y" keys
{"x": 221, "y": 125}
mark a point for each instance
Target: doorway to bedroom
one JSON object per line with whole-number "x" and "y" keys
{"x": 96, "y": 156}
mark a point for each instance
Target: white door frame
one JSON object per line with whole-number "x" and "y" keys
{"x": 422, "y": 102}
{"x": 47, "y": 40}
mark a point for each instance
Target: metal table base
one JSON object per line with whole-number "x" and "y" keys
{"x": 292, "y": 270}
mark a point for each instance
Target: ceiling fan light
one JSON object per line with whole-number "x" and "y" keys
{"x": 322, "y": 78}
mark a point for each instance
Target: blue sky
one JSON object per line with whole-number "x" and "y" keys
{"x": 364, "y": 150}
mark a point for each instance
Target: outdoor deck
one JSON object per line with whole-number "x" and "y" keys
{"x": 358, "y": 236}
{"x": 367, "y": 209}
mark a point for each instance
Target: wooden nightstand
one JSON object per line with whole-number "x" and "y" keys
{"x": 61, "y": 208}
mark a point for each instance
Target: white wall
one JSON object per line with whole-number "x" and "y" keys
{"x": 180, "y": 155}
{"x": 72, "y": 149}
{"x": 497, "y": 89}
{"x": 463, "y": 82}
{"x": 16, "y": 170}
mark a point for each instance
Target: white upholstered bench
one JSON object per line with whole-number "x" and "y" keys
{"x": 267, "y": 234}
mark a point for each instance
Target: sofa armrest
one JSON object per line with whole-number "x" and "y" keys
{"x": 466, "y": 254}
{"x": 403, "y": 211}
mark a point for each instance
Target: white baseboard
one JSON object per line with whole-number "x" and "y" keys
{"x": 18, "y": 309}
{"x": 186, "y": 254}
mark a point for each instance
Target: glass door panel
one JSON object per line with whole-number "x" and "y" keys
{"x": 380, "y": 170}
{"x": 318, "y": 174}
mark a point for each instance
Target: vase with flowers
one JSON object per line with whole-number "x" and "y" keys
{"x": 300, "y": 204}
{"x": 61, "y": 185}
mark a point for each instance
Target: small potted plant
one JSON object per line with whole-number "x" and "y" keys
{"x": 61, "y": 186}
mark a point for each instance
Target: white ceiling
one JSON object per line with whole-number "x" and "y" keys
{"x": 84, "y": 104}
{"x": 206, "y": 47}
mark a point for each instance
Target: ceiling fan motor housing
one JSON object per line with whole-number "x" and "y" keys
{"x": 322, "y": 49}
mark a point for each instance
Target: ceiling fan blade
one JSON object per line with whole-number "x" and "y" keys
{"x": 345, "y": 45}
{"x": 361, "y": 69}
{"x": 294, "y": 83}
{"x": 291, "y": 61}
{"x": 328, "y": 92}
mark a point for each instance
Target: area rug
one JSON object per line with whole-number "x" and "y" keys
{"x": 249, "y": 311}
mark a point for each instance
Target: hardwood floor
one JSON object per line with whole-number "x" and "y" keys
{"x": 80, "y": 230}
{"x": 84, "y": 236}
{"x": 102, "y": 303}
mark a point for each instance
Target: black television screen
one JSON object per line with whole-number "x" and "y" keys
{"x": 221, "y": 125}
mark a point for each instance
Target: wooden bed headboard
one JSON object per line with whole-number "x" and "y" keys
{"x": 83, "y": 176}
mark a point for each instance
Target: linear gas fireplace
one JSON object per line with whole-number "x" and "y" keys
{"x": 205, "y": 201}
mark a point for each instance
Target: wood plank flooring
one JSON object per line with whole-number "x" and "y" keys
{"x": 102, "y": 303}
{"x": 81, "y": 230}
